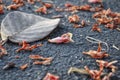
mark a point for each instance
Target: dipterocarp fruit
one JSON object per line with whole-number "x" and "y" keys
{"x": 19, "y": 26}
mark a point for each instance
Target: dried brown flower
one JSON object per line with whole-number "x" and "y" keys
{"x": 50, "y": 76}
{"x": 42, "y": 10}
{"x": 74, "y": 18}
{"x": 14, "y": 6}
{"x": 107, "y": 64}
{"x": 26, "y": 46}
{"x": 97, "y": 54}
{"x": 95, "y": 74}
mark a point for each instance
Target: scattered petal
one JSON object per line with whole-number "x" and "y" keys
{"x": 42, "y": 10}
{"x": 26, "y": 46}
{"x": 107, "y": 64}
{"x": 45, "y": 61}
{"x": 50, "y": 76}
{"x": 95, "y": 74}
{"x": 96, "y": 28}
{"x": 65, "y": 38}
{"x": 74, "y": 18}
{"x": 23, "y": 67}
{"x": 35, "y": 57}
{"x": 96, "y": 54}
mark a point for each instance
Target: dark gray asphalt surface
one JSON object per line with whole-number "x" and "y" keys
{"x": 65, "y": 55}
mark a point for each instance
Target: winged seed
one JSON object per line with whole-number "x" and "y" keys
{"x": 19, "y": 26}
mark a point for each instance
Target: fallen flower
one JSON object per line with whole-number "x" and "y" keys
{"x": 42, "y": 10}
{"x": 65, "y": 38}
{"x": 3, "y": 51}
{"x": 97, "y": 54}
{"x": 95, "y": 1}
{"x": 14, "y": 6}
{"x": 45, "y": 61}
{"x": 1, "y": 9}
{"x": 96, "y": 28}
{"x": 74, "y": 18}
{"x": 9, "y": 66}
{"x": 95, "y": 74}
{"x": 23, "y": 67}
{"x": 50, "y": 76}
{"x": 107, "y": 64}
{"x": 26, "y": 46}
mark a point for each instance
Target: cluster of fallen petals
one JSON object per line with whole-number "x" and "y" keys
{"x": 65, "y": 38}
{"x": 75, "y": 20}
{"x": 97, "y": 54}
{"x": 40, "y": 60}
{"x": 107, "y": 64}
{"x": 44, "y": 8}
{"x": 50, "y": 76}
{"x": 95, "y": 74}
{"x": 28, "y": 47}
{"x": 108, "y": 18}
{"x": 16, "y": 4}
{"x": 3, "y": 51}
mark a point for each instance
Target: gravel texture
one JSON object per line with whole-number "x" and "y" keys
{"x": 65, "y": 55}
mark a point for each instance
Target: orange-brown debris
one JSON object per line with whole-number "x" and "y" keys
{"x": 96, "y": 28}
{"x": 23, "y": 67}
{"x": 107, "y": 64}
{"x": 26, "y": 46}
{"x": 74, "y": 18}
{"x": 97, "y": 54}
